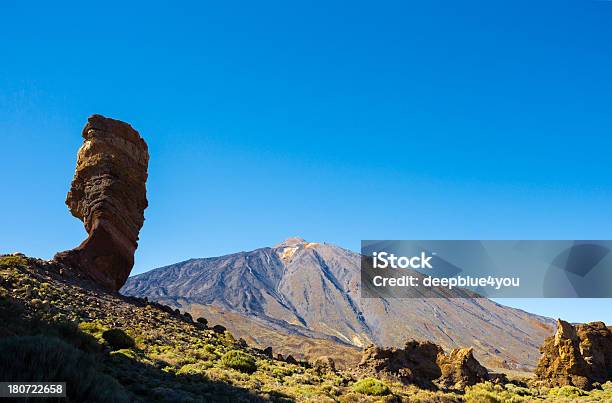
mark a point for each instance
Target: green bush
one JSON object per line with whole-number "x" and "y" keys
{"x": 124, "y": 353}
{"x": 371, "y": 387}
{"x": 239, "y": 360}
{"x": 118, "y": 339}
{"x": 487, "y": 392}
{"x": 13, "y": 261}
{"x": 198, "y": 369}
{"x": 47, "y": 359}
{"x": 566, "y": 391}
{"x": 95, "y": 329}
{"x": 280, "y": 372}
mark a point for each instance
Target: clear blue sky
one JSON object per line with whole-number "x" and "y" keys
{"x": 335, "y": 121}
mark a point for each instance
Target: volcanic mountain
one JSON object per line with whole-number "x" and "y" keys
{"x": 305, "y": 298}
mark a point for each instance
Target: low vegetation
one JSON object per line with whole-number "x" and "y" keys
{"x": 13, "y": 261}
{"x": 110, "y": 348}
{"x": 118, "y": 339}
{"x": 371, "y": 387}
{"x": 33, "y": 358}
{"x": 239, "y": 360}
{"x": 490, "y": 393}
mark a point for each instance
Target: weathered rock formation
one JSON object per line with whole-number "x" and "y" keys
{"x": 108, "y": 193}
{"x": 579, "y": 355}
{"x": 415, "y": 364}
{"x": 323, "y": 365}
{"x": 424, "y": 364}
{"x": 461, "y": 369}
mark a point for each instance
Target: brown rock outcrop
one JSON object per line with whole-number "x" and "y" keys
{"x": 461, "y": 369}
{"x": 579, "y": 355}
{"x": 415, "y": 364}
{"x": 424, "y": 364}
{"x": 323, "y": 365}
{"x": 108, "y": 193}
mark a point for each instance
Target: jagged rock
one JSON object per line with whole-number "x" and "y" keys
{"x": 108, "y": 193}
{"x": 461, "y": 369}
{"x": 415, "y": 364}
{"x": 268, "y": 351}
{"x": 291, "y": 360}
{"x": 323, "y": 365}
{"x": 424, "y": 364}
{"x": 579, "y": 355}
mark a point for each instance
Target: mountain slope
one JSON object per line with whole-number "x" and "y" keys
{"x": 313, "y": 289}
{"x": 300, "y": 343}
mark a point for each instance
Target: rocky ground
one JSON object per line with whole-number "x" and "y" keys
{"x": 56, "y": 325}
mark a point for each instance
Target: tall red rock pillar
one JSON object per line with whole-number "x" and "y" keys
{"x": 108, "y": 193}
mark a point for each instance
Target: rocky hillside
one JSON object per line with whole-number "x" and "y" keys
{"x": 313, "y": 290}
{"x": 57, "y": 325}
{"x": 298, "y": 341}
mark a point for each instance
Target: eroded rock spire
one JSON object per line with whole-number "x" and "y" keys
{"x": 577, "y": 355}
{"x": 108, "y": 193}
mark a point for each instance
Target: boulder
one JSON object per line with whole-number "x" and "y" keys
{"x": 324, "y": 365}
{"x": 291, "y": 360}
{"x": 461, "y": 369}
{"x": 576, "y": 355}
{"x": 108, "y": 193}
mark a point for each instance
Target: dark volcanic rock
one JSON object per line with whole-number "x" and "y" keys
{"x": 424, "y": 364}
{"x": 108, "y": 193}
{"x": 579, "y": 355}
{"x": 291, "y": 360}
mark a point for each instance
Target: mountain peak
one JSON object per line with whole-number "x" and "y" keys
{"x": 293, "y": 241}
